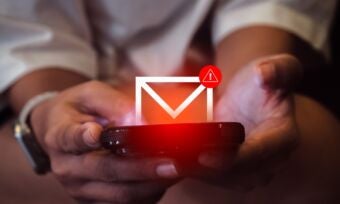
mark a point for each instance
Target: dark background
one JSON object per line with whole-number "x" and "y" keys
{"x": 335, "y": 73}
{"x": 325, "y": 84}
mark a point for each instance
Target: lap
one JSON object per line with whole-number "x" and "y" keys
{"x": 309, "y": 176}
{"x": 18, "y": 182}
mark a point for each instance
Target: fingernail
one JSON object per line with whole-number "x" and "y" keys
{"x": 167, "y": 170}
{"x": 89, "y": 139}
{"x": 102, "y": 121}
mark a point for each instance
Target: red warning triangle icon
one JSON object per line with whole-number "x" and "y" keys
{"x": 210, "y": 77}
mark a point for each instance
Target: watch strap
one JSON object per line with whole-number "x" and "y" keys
{"x": 26, "y": 138}
{"x": 32, "y": 103}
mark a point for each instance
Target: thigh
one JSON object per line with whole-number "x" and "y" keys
{"x": 18, "y": 182}
{"x": 311, "y": 175}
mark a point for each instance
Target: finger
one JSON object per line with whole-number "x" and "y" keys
{"x": 261, "y": 146}
{"x": 219, "y": 172}
{"x": 107, "y": 102}
{"x": 257, "y": 158}
{"x": 119, "y": 193}
{"x": 105, "y": 166}
{"x": 279, "y": 72}
{"x": 77, "y": 137}
{"x": 218, "y": 160}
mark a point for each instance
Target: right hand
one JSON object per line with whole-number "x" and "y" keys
{"x": 68, "y": 128}
{"x": 260, "y": 97}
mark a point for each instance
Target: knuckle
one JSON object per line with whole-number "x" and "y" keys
{"x": 49, "y": 140}
{"x": 49, "y": 134}
{"x": 53, "y": 138}
{"x": 70, "y": 139}
{"x": 90, "y": 89}
{"x": 94, "y": 84}
{"x": 62, "y": 139}
{"x": 77, "y": 140}
{"x": 60, "y": 171}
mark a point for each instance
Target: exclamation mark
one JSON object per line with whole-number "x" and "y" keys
{"x": 210, "y": 76}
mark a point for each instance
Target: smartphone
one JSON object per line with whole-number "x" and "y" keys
{"x": 175, "y": 140}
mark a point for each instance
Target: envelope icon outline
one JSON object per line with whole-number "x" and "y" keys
{"x": 141, "y": 84}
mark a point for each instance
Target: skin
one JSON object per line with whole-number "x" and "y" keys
{"x": 265, "y": 107}
{"x": 71, "y": 139}
{"x": 268, "y": 82}
{"x": 267, "y": 114}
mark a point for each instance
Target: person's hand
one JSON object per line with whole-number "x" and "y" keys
{"x": 260, "y": 98}
{"x": 68, "y": 127}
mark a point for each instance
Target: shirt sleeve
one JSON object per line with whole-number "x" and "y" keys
{"x": 310, "y": 20}
{"x": 36, "y": 34}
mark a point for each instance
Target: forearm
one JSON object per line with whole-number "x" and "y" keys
{"x": 246, "y": 45}
{"x": 51, "y": 79}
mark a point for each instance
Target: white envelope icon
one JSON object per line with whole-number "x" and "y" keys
{"x": 142, "y": 83}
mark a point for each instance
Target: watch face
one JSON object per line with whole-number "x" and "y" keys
{"x": 33, "y": 151}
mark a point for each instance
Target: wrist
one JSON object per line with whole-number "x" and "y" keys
{"x": 26, "y": 138}
{"x": 36, "y": 119}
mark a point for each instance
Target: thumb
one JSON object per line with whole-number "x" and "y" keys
{"x": 78, "y": 138}
{"x": 279, "y": 72}
{"x": 92, "y": 131}
{"x": 104, "y": 101}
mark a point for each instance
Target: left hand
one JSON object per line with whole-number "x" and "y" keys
{"x": 260, "y": 98}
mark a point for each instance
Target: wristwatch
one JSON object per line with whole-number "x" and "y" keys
{"x": 36, "y": 156}
{"x": 33, "y": 151}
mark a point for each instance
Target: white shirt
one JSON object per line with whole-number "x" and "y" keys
{"x": 153, "y": 34}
